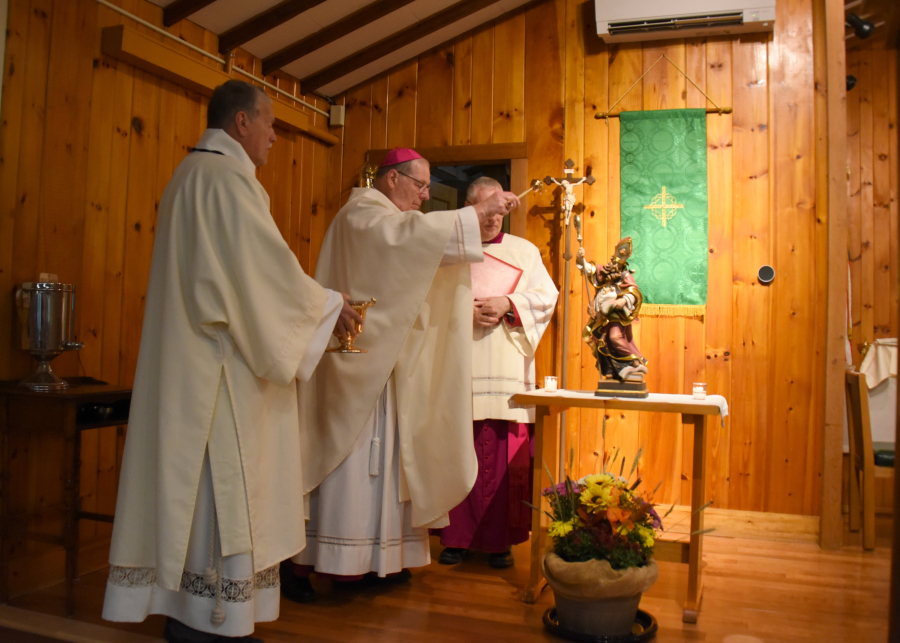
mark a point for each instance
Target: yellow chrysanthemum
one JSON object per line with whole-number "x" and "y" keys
{"x": 559, "y": 528}
{"x": 646, "y": 535}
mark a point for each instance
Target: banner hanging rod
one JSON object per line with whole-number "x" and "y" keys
{"x": 709, "y": 110}
{"x": 203, "y": 52}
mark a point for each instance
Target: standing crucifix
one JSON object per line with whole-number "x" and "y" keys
{"x": 568, "y": 184}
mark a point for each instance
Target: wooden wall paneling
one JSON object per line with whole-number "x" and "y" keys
{"x": 866, "y": 291}
{"x": 545, "y": 33}
{"x": 881, "y": 194}
{"x": 434, "y": 93}
{"x": 462, "y": 91}
{"x": 280, "y": 158}
{"x": 694, "y": 329}
{"x": 402, "y": 95}
{"x": 10, "y": 138}
{"x": 140, "y": 217}
{"x": 794, "y": 292}
{"x": 894, "y": 193}
{"x": 295, "y": 176}
{"x": 626, "y": 64}
{"x": 752, "y": 301}
{"x": 482, "y": 85}
{"x": 662, "y": 340}
{"x": 90, "y": 292}
{"x": 121, "y": 124}
{"x": 854, "y": 203}
{"x": 63, "y": 166}
{"x": 574, "y": 149}
{"x": 304, "y": 154}
{"x": 625, "y": 68}
{"x": 509, "y": 79}
{"x": 25, "y": 264}
{"x": 110, "y": 439}
{"x": 333, "y": 166}
{"x": 357, "y": 135}
{"x": 266, "y": 173}
{"x": 596, "y": 244}
{"x": 187, "y": 122}
{"x": 324, "y": 170}
{"x": 720, "y": 298}
{"x": 379, "y": 113}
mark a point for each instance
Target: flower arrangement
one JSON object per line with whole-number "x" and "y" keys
{"x": 603, "y": 517}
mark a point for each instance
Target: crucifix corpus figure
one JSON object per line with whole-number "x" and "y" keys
{"x": 568, "y": 184}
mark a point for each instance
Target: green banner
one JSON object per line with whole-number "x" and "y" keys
{"x": 664, "y": 207}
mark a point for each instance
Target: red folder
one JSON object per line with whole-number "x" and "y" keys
{"x": 494, "y": 278}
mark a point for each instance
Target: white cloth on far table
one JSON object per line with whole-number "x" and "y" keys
{"x": 372, "y": 531}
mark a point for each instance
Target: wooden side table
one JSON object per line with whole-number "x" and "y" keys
{"x": 83, "y": 406}
{"x": 693, "y": 412}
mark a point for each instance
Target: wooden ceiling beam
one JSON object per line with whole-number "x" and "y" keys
{"x": 382, "y": 48}
{"x": 263, "y": 22}
{"x": 181, "y": 9}
{"x": 327, "y": 35}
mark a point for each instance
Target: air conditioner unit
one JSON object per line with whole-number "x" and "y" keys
{"x": 635, "y": 20}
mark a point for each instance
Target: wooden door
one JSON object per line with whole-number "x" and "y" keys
{"x": 443, "y": 197}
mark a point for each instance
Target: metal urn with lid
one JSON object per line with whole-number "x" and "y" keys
{"x": 45, "y": 310}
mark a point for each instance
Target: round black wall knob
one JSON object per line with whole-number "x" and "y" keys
{"x": 766, "y": 274}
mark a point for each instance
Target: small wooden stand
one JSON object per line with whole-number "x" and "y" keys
{"x": 615, "y": 388}
{"x": 64, "y": 414}
{"x": 548, "y": 406}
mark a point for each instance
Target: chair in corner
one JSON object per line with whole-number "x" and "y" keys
{"x": 865, "y": 463}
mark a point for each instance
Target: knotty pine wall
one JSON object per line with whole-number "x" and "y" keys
{"x": 873, "y": 174}
{"x": 87, "y": 144}
{"x": 539, "y": 77}
{"x": 86, "y": 147}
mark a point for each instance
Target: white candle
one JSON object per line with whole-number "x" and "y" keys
{"x": 550, "y": 383}
{"x": 699, "y": 390}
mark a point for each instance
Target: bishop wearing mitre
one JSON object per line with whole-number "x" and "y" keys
{"x": 387, "y": 435}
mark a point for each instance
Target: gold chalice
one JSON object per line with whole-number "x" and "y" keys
{"x": 347, "y": 342}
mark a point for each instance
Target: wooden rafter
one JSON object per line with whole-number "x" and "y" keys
{"x": 263, "y": 22}
{"x": 181, "y": 9}
{"x": 380, "y": 49}
{"x": 366, "y": 15}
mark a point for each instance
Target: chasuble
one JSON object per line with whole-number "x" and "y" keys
{"x": 418, "y": 335}
{"x": 230, "y": 322}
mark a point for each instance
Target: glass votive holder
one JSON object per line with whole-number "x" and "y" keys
{"x": 699, "y": 390}
{"x": 550, "y": 383}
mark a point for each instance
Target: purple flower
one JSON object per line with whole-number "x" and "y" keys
{"x": 657, "y": 522}
{"x": 561, "y": 489}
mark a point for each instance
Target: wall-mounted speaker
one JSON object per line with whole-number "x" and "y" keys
{"x": 766, "y": 274}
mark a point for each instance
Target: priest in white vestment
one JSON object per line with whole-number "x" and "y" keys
{"x": 508, "y": 326}
{"x": 210, "y": 495}
{"x": 387, "y": 446}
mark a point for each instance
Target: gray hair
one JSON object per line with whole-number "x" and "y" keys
{"x": 404, "y": 168}
{"x": 481, "y": 183}
{"x": 232, "y": 97}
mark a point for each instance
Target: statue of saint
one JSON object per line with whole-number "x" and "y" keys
{"x": 616, "y": 304}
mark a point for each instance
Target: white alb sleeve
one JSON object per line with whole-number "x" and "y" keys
{"x": 322, "y": 334}
{"x": 464, "y": 245}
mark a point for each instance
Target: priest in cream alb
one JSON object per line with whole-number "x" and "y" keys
{"x": 388, "y": 450}
{"x": 210, "y": 497}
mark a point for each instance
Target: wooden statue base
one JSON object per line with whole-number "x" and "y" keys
{"x": 615, "y": 388}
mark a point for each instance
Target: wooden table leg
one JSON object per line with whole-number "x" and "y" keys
{"x": 72, "y": 455}
{"x": 698, "y": 490}
{"x": 545, "y": 447}
{"x": 5, "y": 544}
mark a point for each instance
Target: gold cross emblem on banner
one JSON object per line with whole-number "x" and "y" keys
{"x": 663, "y": 206}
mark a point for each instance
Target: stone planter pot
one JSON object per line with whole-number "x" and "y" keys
{"x": 593, "y": 598}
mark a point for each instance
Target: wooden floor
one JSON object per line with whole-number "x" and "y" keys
{"x": 759, "y": 587}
